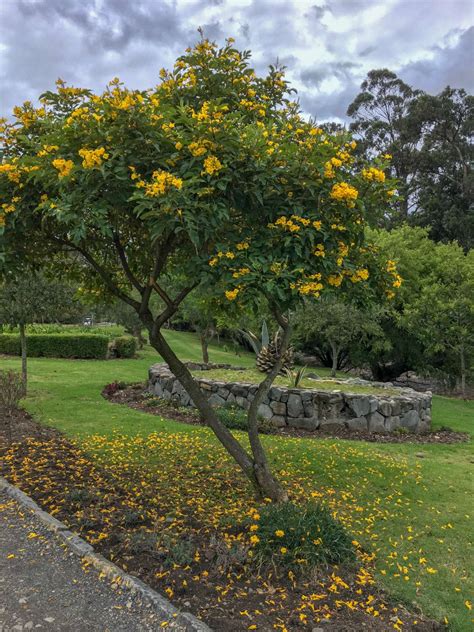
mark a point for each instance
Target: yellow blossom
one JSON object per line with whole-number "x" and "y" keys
{"x": 63, "y": 166}
{"x": 212, "y": 165}
{"x": 230, "y": 296}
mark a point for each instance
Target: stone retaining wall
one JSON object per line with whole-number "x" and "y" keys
{"x": 308, "y": 409}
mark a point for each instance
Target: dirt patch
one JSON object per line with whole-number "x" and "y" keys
{"x": 120, "y": 510}
{"x": 136, "y": 396}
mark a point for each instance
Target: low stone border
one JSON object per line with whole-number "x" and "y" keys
{"x": 163, "y": 608}
{"x": 306, "y": 409}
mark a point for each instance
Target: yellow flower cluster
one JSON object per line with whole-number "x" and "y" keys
{"x": 335, "y": 279}
{"x": 197, "y": 149}
{"x": 319, "y": 251}
{"x": 161, "y": 182}
{"x": 243, "y": 245}
{"x": 81, "y": 114}
{"x": 290, "y": 224}
{"x": 240, "y": 272}
{"x": 63, "y": 166}
{"x": 343, "y": 192}
{"x": 47, "y": 149}
{"x": 374, "y": 175}
{"x": 360, "y": 275}
{"x": 231, "y": 294}
{"x": 212, "y": 165}
{"x": 93, "y": 157}
{"x": 221, "y": 255}
{"x": 308, "y": 288}
{"x": 11, "y": 171}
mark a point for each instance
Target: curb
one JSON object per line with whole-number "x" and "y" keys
{"x": 163, "y": 607}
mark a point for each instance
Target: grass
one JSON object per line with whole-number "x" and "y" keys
{"x": 414, "y": 514}
{"x": 253, "y": 376}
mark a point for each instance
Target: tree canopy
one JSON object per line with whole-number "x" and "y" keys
{"x": 212, "y": 176}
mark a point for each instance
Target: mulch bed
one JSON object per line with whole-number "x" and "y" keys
{"x": 110, "y": 508}
{"x": 136, "y": 396}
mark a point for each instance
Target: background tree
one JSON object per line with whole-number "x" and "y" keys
{"x": 383, "y": 121}
{"x": 436, "y": 277}
{"x": 29, "y": 299}
{"x": 445, "y": 184}
{"x": 213, "y": 177}
{"x": 332, "y": 328}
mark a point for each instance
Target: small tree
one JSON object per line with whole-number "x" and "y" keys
{"x": 339, "y": 325}
{"x": 28, "y": 299}
{"x": 212, "y": 177}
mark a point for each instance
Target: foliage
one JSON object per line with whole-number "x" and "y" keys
{"x": 11, "y": 390}
{"x": 212, "y": 177}
{"x": 296, "y": 376}
{"x": 430, "y": 141}
{"x": 125, "y": 346}
{"x": 254, "y": 341}
{"x": 235, "y": 418}
{"x": 57, "y": 345}
{"x": 336, "y": 331}
{"x": 300, "y": 537}
{"x": 433, "y": 312}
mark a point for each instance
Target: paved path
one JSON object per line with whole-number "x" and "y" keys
{"x": 43, "y": 586}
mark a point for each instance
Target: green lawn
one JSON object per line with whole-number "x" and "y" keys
{"x": 253, "y": 376}
{"x": 413, "y": 512}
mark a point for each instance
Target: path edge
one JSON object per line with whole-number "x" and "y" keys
{"x": 162, "y": 606}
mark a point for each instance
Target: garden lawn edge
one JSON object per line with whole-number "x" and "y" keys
{"x": 162, "y": 606}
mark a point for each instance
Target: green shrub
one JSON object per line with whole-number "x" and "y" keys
{"x": 57, "y": 345}
{"x": 235, "y": 418}
{"x": 11, "y": 390}
{"x": 125, "y": 346}
{"x": 300, "y": 537}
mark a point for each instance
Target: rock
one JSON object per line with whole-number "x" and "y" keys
{"x": 223, "y": 392}
{"x": 376, "y": 422}
{"x": 420, "y": 455}
{"x": 265, "y": 411}
{"x": 275, "y": 394}
{"x": 410, "y": 420}
{"x": 305, "y": 423}
{"x": 278, "y": 421}
{"x": 374, "y": 404}
{"x": 359, "y": 405}
{"x": 396, "y": 408}
{"x": 357, "y": 423}
{"x": 385, "y": 408}
{"x": 157, "y": 389}
{"x": 295, "y": 406}
{"x": 279, "y": 408}
{"x": 392, "y": 422}
{"x": 215, "y": 400}
{"x": 242, "y": 402}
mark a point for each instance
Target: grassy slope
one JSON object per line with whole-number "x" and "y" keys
{"x": 423, "y": 513}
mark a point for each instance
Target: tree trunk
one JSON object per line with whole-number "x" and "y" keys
{"x": 24, "y": 367}
{"x": 463, "y": 372}
{"x": 267, "y": 482}
{"x": 204, "y": 346}
{"x": 257, "y": 472}
{"x": 335, "y": 354}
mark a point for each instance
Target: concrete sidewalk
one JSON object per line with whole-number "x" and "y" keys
{"x": 44, "y": 586}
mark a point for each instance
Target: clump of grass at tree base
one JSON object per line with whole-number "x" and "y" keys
{"x": 300, "y": 538}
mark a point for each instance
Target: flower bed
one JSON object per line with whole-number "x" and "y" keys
{"x": 308, "y": 408}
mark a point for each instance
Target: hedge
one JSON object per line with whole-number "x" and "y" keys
{"x": 125, "y": 346}
{"x": 57, "y": 345}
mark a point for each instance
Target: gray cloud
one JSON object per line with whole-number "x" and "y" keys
{"x": 327, "y": 45}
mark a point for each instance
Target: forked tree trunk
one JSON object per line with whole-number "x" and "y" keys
{"x": 256, "y": 468}
{"x": 24, "y": 366}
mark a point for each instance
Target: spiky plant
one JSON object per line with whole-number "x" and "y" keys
{"x": 269, "y": 355}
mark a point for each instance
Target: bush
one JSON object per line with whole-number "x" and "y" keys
{"x": 300, "y": 537}
{"x": 125, "y": 346}
{"x": 235, "y": 418}
{"x": 57, "y": 345}
{"x": 11, "y": 389}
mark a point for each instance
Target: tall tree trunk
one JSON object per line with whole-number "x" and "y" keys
{"x": 24, "y": 367}
{"x": 204, "y": 346}
{"x": 258, "y": 473}
{"x": 463, "y": 372}
{"x": 335, "y": 355}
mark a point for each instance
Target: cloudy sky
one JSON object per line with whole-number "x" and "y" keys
{"x": 327, "y": 45}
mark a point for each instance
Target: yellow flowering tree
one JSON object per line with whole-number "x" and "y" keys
{"x": 214, "y": 177}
